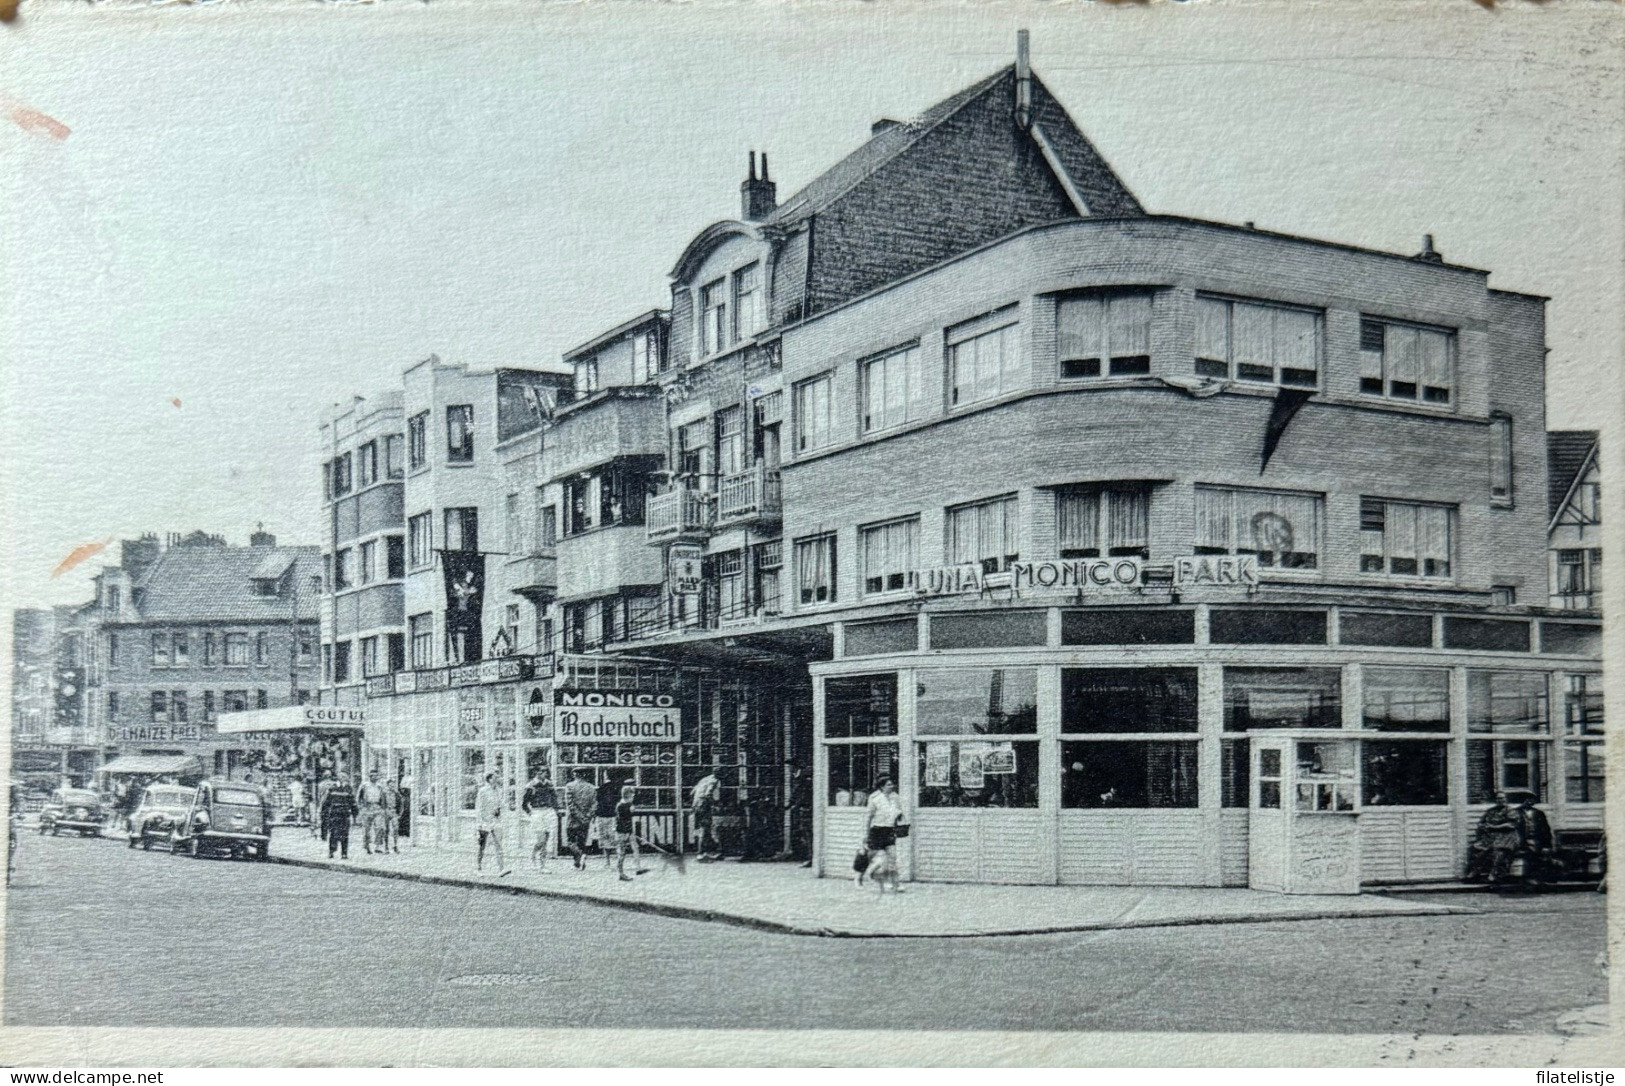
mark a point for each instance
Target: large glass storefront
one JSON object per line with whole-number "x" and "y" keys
{"x": 1057, "y": 765}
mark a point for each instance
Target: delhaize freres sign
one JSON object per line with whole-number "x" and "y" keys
{"x": 615, "y": 715}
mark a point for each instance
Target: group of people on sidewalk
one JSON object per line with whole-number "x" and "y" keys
{"x": 380, "y": 807}
{"x": 1507, "y": 833}
{"x": 609, "y": 806}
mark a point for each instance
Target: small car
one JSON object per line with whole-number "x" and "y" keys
{"x": 162, "y": 808}
{"x": 228, "y": 817}
{"x": 78, "y": 810}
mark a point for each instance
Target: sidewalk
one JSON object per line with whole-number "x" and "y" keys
{"x": 786, "y": 898}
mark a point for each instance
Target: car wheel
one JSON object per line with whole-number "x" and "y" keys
{"x": 56, "y": 831}
{"x": 146, "y": 843}
{"x": 42, "y": 829}
{"x": 132, "y": 842}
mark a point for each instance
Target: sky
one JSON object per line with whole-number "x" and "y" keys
{"x": 218, "y": 221}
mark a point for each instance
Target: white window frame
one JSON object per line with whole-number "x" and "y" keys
{"x": 807, "y": 558}
{"x": 984, "y": 358}
{"x": 1109, "y": 329}
{"x": 1007, "y": 510}
{"x": 1239, "y": 529}
{"x": 1369, "y": 539}
{"x": 1120, "y": 518}
{"x": 1384, "y": 369}
{"x": 898, "y": 375}
{"x": 890, "y": 553}
{"x": 749, "y": 311}
{"x": 1217, "y": 342}
{"x": 713, "y": 312}
{"x": 420, "y": 540}
{"x": 815, "y": 415}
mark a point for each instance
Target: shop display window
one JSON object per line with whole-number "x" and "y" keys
{"x": 856, "y": 768}
{"x": 1584, "y": 768}
{"x": 473, "y": 775}
{"x": 1325, "y": 775}
{"x": 1405, "y": 772}
{"x": 1128, "y": 700}
{"x": 976, "y": 701}
{"x": 860, "y": 706}
{"x": 1506, "y": 765}
{"x": 1128, "y": 773}
{"x": 978, "y": 773}
{"x": 1282, "y": 697}
{"x": 651, "y": 767}
{"x": 1406, "y": 699}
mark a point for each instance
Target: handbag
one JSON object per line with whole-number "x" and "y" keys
{"x": 901, "y": 829}
{"x": 860, "y": 862}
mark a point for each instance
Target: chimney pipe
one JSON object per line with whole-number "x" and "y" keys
{"x": 1429, "y": 254}
{"x": 758, "y": 195}
{"x": 1024, "y": 82}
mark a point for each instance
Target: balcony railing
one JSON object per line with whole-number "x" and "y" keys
{"x": 752, "y": 495}
{"x": 679, "y": 514}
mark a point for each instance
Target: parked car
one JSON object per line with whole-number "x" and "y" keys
{"x": 227, "y": 817}
{"x": 77, "y": 810}
{"x": 163, "y": 806}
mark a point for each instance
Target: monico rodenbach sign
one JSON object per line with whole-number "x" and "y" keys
{"x": 611, "y": 715}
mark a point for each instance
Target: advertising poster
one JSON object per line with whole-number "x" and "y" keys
{"x": 972, "y": 761}
{"x": 938, "y": 765}
{"x": 1000, "y": 759}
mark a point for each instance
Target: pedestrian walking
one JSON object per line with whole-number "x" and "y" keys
{"x": 338, "y": 808}
{"x": 318, "y": 825}
{"x": 371, "y": 800}
{"x": 540, "y": 804}
{"x": 609, "y": 798}
{"x": 626, "y": 838}
{"x": 296, "y": 799}
{"x": 488, "y": 819}
{"x": 707, "y": 792}
{"x": 580, "y": 799}
{"x": 880, "y": 835}
{"x": 392, "y": 816}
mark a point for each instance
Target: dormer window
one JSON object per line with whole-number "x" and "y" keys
{"x": 264, "y": 586}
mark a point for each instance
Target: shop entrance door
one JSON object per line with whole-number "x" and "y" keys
{"x": 1303, "y": 836}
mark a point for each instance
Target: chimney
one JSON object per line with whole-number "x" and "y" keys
{"x": 261, "y": 537}
{"x": 885, "y": 124}
{"x": 1024, "y": 82}
{"x": 757, "y": 196}
{"x": 1429, "y": 255}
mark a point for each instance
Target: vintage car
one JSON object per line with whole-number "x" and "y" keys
{"x": 227, "y": 817}
{"x": 77, "y": 810}
{"x": 162, "y": 808}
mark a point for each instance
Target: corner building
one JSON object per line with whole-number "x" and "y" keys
{"x": 1056, "y": 511}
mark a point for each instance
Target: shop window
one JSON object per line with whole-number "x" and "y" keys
{"x": 1128, "y": 627}
{"x": 1406, "y": 361}
{"x": 1098, "y": 521}
{"x": 420, "y": 539}
{"x": 1391, "y": 630}
{"x": 236, "y": 649}
{"x": 1255, "y": 341}
{"x": 1284, "y": 697}
{"x": 1405, "y": 539}
{"x": 984, "y": 534}
{"x": 891, "y": 555}
{"x": 1127, "y": 700}
{"x": 417, "y": 440}
{"x": 1128, "y": 773}
{"x": 815, "y": 569}
{"x": 471, "y": 777}
{"x": 1325, "y": 775}
{"x": 1584, "y": 767}
{"x": 1506, "y": 765}
{"x": 1570, "y": 639}
{"x": 460, "y": 433}
{"x": 813, "y": 414}
{"x": 1103, "y": 334}
{"x": 994, "y": 629}
{"x": 977, "y": 773}
{"x": 1405, "y": 772}
{"x": 1406, "y": 699}
{"x": 875, "y": 638}
{"x": 976, "y": 701}
{"x": 1282, "y": 529}
{"x": 892, "y": 389}
{"x": 984, "y": 358}
{"x": 860, "y": 706}
{"x": 1486, "y": 634}
{"x": 856, "y": 769}
{"x": 1256, "y": 626}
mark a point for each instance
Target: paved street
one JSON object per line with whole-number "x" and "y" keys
{"x": 98, "y": 935}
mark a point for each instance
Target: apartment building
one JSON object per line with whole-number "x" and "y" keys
{"x": 52, "y": 738}
{"x": 1123, "y": 542}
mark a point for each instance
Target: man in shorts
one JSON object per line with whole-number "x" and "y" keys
{"x": 580, "y": 799}
{"x": 540, "y": 805}
{"x": 626, "y": 838}
{"x": 371, "y": 798}
{"x": 609, "y": 798}
{"x": 488, "y": 818}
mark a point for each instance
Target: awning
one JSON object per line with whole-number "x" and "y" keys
{"x": 179, "y": 765}
{"x": 288, "y": 718}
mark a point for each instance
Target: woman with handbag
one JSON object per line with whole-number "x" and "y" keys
{"x": 880, "y": 836}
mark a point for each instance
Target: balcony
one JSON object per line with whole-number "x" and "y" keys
{"x": 679, "y": 514}
{"x": 749, "y": 497}
{"x": 534, "y": 576}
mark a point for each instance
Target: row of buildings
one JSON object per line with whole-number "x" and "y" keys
{"x": 959, "y": 467}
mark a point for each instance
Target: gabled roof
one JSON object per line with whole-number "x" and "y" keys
{"x": 1568, "y": 454}
{"x": 215, "y": 584}
{"x": 1104, "y": 191}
